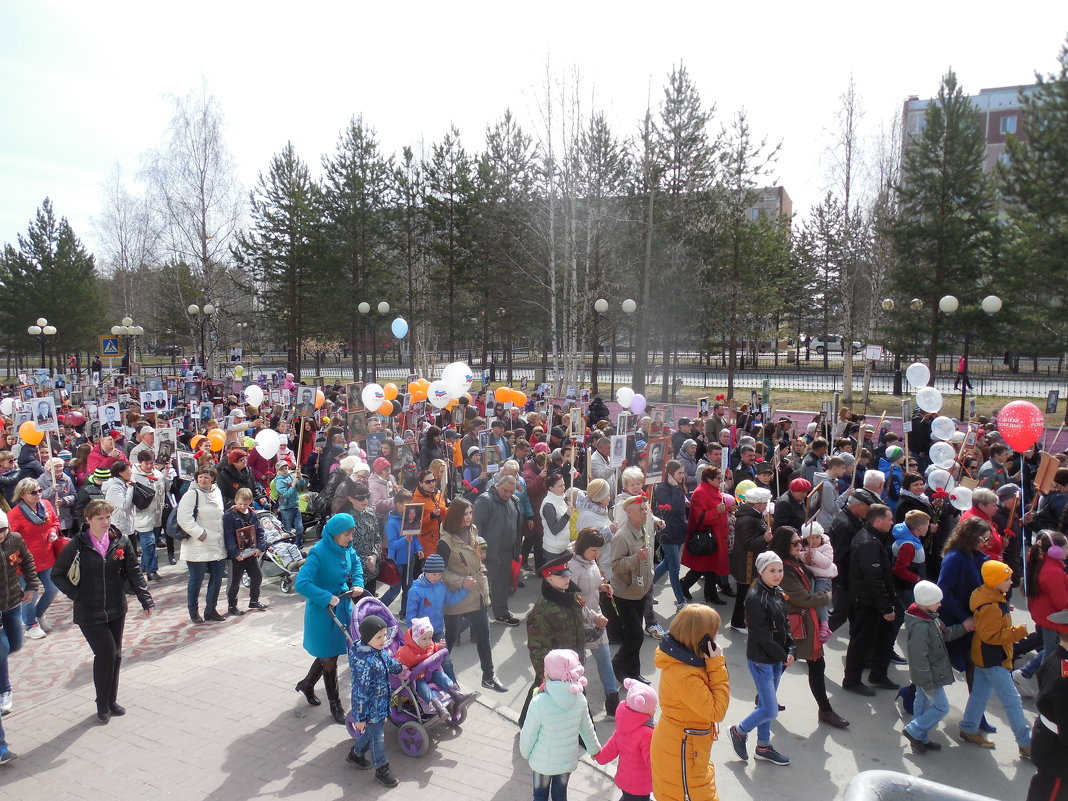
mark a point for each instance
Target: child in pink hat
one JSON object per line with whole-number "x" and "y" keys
{"x": 630, "y": 742}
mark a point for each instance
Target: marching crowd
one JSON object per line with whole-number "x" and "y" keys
{"x": 837, "y": 528}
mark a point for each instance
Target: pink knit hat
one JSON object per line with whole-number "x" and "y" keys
{"x": 564, "y": 665}
{"x": 381, "y": 463}
{"x": 420, "y": 627}
{"x": 640, "y": 696}
{"x": 541, "y": 447}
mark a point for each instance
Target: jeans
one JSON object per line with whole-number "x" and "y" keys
{"x": 1049, "y": 645}
{"x": 929, "y": 710}
{"x": 627, "y": 661}
{"x": 480, "y": 627}
{"x": 602, "y": 654}
{"x": 670, "y": 565}
{"x": 11, "y": 633}
{"x": 238, "y": 568}
{"x": 556, "y": 785}
{"x": 822, "y": 584}
{"x": 197, "y": 570}
{"x": 438, "y": 677}
{"x": 373, "y": 737}
{"x": 292, "y": 521}
{"x": 988, "y": 681}
{"x": 39, "y": 605}
{"x": 149, "y": 563}
{"x": 766, "y": 678}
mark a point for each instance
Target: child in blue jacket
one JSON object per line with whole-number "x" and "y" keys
{"x": 400, "y": 549}
{"x": 429, "y": 596}
{"x": 370, "y": 665}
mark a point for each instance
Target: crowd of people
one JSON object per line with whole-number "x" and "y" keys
{"x": 839, "y": 528}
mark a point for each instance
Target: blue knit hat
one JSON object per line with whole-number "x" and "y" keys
{"x": 434, "y": 564}
{"x": 338, "y": 524}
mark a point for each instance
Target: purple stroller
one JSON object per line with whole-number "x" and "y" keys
{"x": 406, "y": 709}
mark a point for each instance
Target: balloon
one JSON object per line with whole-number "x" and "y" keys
{"x": 637, "y": 404}
{"x": 372, "y": 396}
{"x": 254, "y": 395}
{"x": 961, "y": 498}
{"x": 422, "y": 382}
{"x": 457, "y": 378}
{"x": 451, "y": 404}
{"x": 74, "y": 418}
{"x": 939, "y": 479}
{"x": 391, "y": 391}
{"x": 418, "y": 395}
{"x": 399, "y": 327}
{"x": 624, "y": 395}
{"x": 742, "y": 488}
{"x": 7, "y": 405}
{"x": 519, "y": 398}
{"x": 217, "y": 438}
{"x": 467, "y": 395}
{"x": 30, "y": 434}
{"x": 320, "y": 399}
{"x": 1020, "y": 424}
{"x": 414, "y": 387}
{"x": 943, "y": 427}
{"x": 942, "y": 452}
{"x": 195, "y": 441}
{"x": 438, "y": 395}
{"x": 918, "y": 374}
{"x": 956, "y": 437}
{"x": 267, "y": 443}
{"x": 502, "y": 395}
{"x": 929, "y": 399}
{"x": 386, "y": 408}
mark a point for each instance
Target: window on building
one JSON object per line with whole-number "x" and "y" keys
{"x": 755, "y": 214}
{"x": 1008, "y": 124}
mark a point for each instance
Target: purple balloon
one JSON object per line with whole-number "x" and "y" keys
{"x": 637, "y": 406}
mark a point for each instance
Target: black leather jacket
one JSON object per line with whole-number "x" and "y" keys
{"x": 100, "y": 596}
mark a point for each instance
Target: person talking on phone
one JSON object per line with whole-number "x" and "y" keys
{"x": 694, "y": 695}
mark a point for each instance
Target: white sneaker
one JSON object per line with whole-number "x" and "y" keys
{"x": 6, "y": 704}
{"x": 1026, "y": 686}
{"x": 45, "y": 624}
{"x": 740, "y": 629}
{"x": 655, "y": 631}
{"x": 35, "y": 632}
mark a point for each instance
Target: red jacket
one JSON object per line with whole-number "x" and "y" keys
{"x": 1052, "y": 594}
{"x": 36, "y": 537}
{"x": 410, "y": 654}
{"x": 704, "y": 513}
{"x": 97, "y": 458}
{"x": 995, "y": 546}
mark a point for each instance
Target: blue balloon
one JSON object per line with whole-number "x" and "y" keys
{"x": 399, "y": 328}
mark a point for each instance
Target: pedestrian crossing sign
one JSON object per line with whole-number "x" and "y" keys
{"x": 110, "y": 347}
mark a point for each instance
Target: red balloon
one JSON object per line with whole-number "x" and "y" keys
{"x": 1021, "y": 424}
{"x": 74, "y": 418}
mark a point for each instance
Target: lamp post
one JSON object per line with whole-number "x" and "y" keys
{"x": 628, "y": 307}
{"x": 129, "y": 332}
{"x": 42, "y": 330}
{"x": 949, "y": 304}
{"x": 383, "y": 309}
{"x": 202, "y": 318}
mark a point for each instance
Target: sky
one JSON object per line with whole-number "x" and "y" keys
{"x": 88, "y": 86}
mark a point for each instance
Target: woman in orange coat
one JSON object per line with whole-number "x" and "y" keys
{"x": 694, "y": 694}
{"x": 428, "y": 494}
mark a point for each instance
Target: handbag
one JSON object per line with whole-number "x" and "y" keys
{"x": 58, "y": 544}
{"x": 172, "y": 529}
{"x": 74, "y": 572}
{"x": 703, "y": 542}
{"x": 388, "y": 573}
{"x": 143, "y": 496}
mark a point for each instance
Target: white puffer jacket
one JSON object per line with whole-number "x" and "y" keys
{"x": 149, "y": 518}
{"x": 208, "y": 521}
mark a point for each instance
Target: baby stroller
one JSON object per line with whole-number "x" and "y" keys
{"x": 282, "y": 557}
{"x": 406, "y": 709}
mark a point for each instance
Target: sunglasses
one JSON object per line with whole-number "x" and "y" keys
{"x": 431, "y": 481}
{"x": 34, "y": 492}
{"x": 795, "y": 542}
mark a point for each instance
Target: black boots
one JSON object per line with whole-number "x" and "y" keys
{"x": 336, "y": 709}
{"x": 307, "y": 684}
{"x": 611, "y": 701}
{"x": 461, "y": 699}
{"x": 385, "y": 776}
{"x": 116, "y": 710}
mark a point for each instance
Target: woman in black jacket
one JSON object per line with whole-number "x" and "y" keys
{"x": 106, "y": 566}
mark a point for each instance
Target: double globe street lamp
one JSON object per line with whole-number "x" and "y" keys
{"x": 201, "y": 318}
{"x": 365, "y": 309}
{"x": 129, "y": 332}
{"x": 949, "y": 304}
{"x": 42, "y": 330}
{"x": 628, "y": 307}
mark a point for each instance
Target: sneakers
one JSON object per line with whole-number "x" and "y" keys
{"x": 7, "y": 755}
{"x": 45, "y": 624}
{"x": 494, "y": 684}
{"x": 35, "y": 632}
{"x": 256, "y": 606}
{"x": 359, "y": 760}
{"x": 385, "y": 776}
{"x": 6, "y": 704}
{"x": 1025, "y": 752}
{"x": 825, "y": 632}
{"x": 738, "y": 741}
{"x": 679, "y": 605}
{"x": 768, "y": 754}
{"x": 1024, "y": 684}
{"x": 740, "y": 629}
{"x": 655, "y": 631}
{"x": 976, "y": 739}
{"x": 918, "y": 745}
{"x": 507, "y": 620}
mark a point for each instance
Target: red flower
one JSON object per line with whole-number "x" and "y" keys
{"x": 721, "y": 397}
{"x": 119, "y": 554}
{"x": 664, "y": 507}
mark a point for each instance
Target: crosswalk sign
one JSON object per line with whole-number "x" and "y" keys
{"x": 110, "y": 347}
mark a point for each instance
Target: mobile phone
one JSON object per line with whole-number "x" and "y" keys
{"x": 702, "y": 646}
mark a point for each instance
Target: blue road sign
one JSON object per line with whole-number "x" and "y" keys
{"x": 110, "y": 347}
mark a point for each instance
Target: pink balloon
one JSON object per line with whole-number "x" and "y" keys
{"x": 1020, "y": 424}
{"x": 637, "y": 405}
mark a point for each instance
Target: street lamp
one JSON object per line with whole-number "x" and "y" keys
{"x": 628, "y": 307}
{"x": 42, "y": 330}
{"x": 128, "y": 331}
{"x": 383, "y": 309}
{"x": 949, "y": 304}
{"x": 202, "y": 318}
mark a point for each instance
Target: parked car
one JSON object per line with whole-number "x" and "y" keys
{"x": 832, "y": 344}
{"x": 167, "y": 350}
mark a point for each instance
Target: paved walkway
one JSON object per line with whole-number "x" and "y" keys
{"x": 212, "y": 715}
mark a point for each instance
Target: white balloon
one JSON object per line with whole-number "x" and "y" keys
{"x": 457, "y": 379}
{"x": 942, "y": 452}
{"x": 943, "y": 427}
{"x": 7, "y": 405}
{"x": 268, "y": 442}
{"x": 373, "y": 397}
{"x": 918, "y": 374}
{"x": 438, "y": 394}
{"x": 254, "y": 395}
{"x": 624, "y": 395}
{"x": 939, "y": 479}
{"x": 961, "y": 498}
{"x": 929, "y": 399}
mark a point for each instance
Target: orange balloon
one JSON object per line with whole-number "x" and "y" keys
{"x": 502, "y": 394}
{"x": 320, "y": 399}
{"x": 451, "y": 404}
{"x": 470, "y": 400}
{"x": 391, "y": 391}
{"x": 414, "y": 387}
{"x": 418, "y": 394}
{"x": 217, "y": 438}
{"x": 30, "y": 434}
{"x": 424, "y": 384}
{"x": 519, "y": 398}
{"x": 386, "y": 409}
{"x": 195, "y": 441}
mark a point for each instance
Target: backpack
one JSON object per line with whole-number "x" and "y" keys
{"x": 176, "y": 532}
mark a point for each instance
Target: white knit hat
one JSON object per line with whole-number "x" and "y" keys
{"x": 766, "y": 558}
{"x": 927, "y": 593}
{"x": 758, "y": 495}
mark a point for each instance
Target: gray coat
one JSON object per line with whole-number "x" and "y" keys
{"x": 497, "y": 521}
{"x": 61, "y": 495}
{"x": 929, "y": 665}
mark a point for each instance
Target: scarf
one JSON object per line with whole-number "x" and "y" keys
{"x": 922, "y": 497}
{"x": 565, "y": 598}
{"x": 35, "y": 516}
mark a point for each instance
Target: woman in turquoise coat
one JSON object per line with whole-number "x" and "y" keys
{"x": 331, "y": 577}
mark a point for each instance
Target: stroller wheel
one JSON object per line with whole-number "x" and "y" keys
{"x": 414, "y": 740}
{"x": 286, "y": 585}
{"x": 246, "y": 581}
